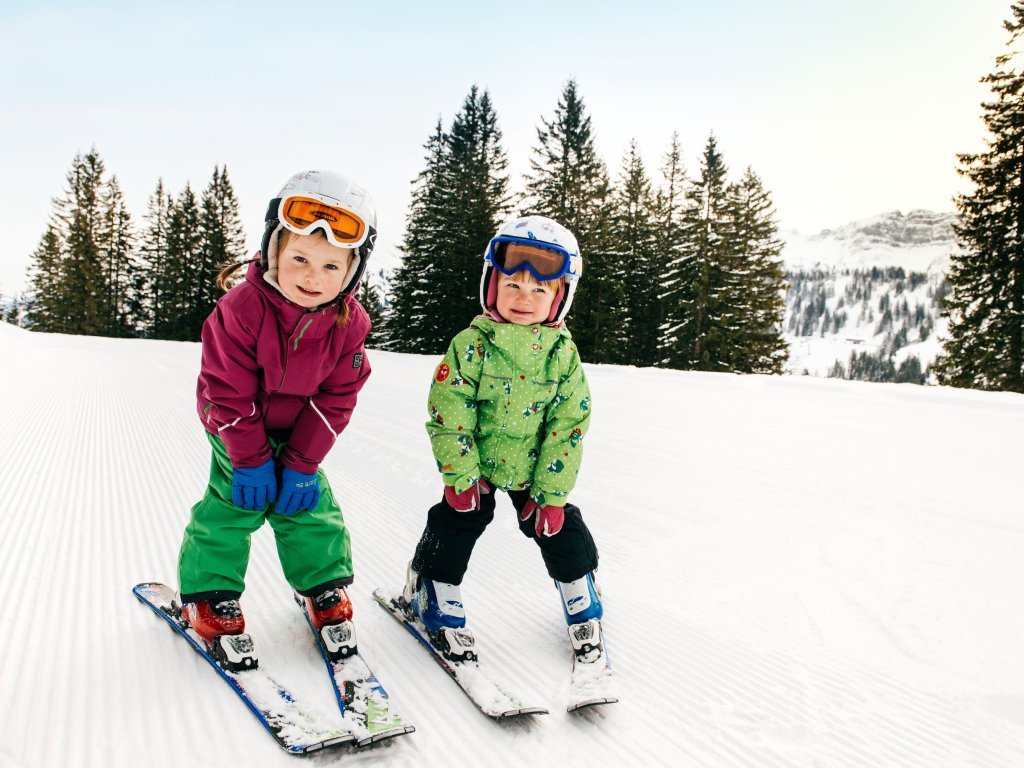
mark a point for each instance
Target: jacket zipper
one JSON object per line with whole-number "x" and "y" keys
{"x": 302, "y": 333}
{"x": 295, "y": 346}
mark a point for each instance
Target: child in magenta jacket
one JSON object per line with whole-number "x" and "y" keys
{"x": 282, "y": 364}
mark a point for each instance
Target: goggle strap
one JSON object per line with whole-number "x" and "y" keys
{"x": 272, "y": 209}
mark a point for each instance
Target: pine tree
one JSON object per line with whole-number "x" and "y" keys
{"x": 222, "y": 241}
{"x": 117, "y": 245}
{"x": 759, "y": 301}
{"x": 985, "y": 347}
{"x": 369, "y": 297}
{"x": 155, "y": 255}
{"x": 459, "y": 201}
{"x": 82, "y": 298}
{"x": 668, "y": 247}
{"x": 634, "y": 329}
{"x": 80, "y": 279}
{"x": 478, "y": 203}
{"x": 705, "y": 272}
{"x": 569, "y": 183}
{"x": 410, "y": 324}
{"x": 177, "y": 318}
{"x": 45, "y": 311}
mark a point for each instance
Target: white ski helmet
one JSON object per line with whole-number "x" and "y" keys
{"x": 559, "y": 256}
{"x": 328, "y": 201}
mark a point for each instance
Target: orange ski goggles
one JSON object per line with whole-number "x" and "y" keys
{"x": 303, "y": 214}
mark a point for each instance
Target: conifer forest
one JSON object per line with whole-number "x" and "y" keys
{"x": 683, "y": 263}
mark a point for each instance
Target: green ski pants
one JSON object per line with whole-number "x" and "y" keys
{"x": 313, "y": 545}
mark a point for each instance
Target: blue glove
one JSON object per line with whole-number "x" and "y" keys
{"x": 254, "y": 487}
{"x": 298, "y": 492}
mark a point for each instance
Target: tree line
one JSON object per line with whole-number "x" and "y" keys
{"x": 683, "y": 273}
{"x": 94, "y": 273}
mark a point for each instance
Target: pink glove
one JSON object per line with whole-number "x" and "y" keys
{"x": 469, "y": 499}
{"x": 549, "y": 519}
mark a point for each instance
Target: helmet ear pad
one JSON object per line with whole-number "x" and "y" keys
{"x": 492, "y": 289}
{"x": 556, "y": 303}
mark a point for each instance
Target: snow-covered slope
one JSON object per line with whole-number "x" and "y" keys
{"x": 797, "y": 572}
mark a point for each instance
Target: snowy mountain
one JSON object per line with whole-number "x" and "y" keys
{"x": 872, "y": 288}
{"x": 919, "y": 241}
{"x": 797, "y": 572}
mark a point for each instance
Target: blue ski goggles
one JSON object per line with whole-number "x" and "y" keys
{"x": 544, "y": 261}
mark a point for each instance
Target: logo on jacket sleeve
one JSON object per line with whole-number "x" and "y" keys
{"x": 357, "y": 360}
{"x": 443, "y": 372}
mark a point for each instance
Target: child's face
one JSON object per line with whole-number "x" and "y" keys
{"x": 310, "y": 270}
{"x": 523, "y": 301}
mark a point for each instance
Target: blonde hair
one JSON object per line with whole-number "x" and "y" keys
{"x": 525, "y": 276}
{"x": 225, "y": 279}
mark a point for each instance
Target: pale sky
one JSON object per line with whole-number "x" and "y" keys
{"x": 845, "y": 110}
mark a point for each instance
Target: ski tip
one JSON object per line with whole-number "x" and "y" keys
{"x": 385, "y": 735}
{"x": 150, "y": 588}
{"x": 581, "y": 705}
{"x": 305, "y": 749}
{"x": 387, "y": 600}
{"x": 153, "y": 592}
{"x": 518, "y": 711}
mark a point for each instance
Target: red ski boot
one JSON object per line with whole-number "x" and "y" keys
{"x": 330, "y": 613}
{"x": 220, "y": 623}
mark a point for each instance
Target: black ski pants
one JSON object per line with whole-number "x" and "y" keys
{"x": 447, "y": 542}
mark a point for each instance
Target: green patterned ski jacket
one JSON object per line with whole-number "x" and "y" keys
{"x": 510, "y": 403}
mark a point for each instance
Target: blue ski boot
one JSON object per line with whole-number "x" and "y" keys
{"x": 581, "y": 604}
{"x": 438, "y": 605}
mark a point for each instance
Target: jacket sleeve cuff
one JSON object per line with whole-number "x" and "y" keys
{"x": 241, "y": 459}
{"x": 548, "y": 498}
{"x": 293, "y": 460}
{"x": 464, "y": 482}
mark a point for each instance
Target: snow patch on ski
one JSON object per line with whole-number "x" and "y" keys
{"x": 296, "y": 728}
{"x": 489, "y": 697}
{"x": 362, "y": 700}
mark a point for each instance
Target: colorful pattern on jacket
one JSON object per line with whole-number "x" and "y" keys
{"x": 510, "y": 403}
{"x": 271, "y": 365}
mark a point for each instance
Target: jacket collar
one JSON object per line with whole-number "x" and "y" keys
{"x": 511, "y": 334}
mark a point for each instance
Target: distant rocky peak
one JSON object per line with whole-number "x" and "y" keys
{"x": 896, "y": 229}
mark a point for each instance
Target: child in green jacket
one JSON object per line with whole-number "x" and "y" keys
{"x": 509, "y": 407}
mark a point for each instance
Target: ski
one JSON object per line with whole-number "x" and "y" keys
{"x": 363, "y": 702}
{"x": 293, "y": 728}
{"x": 489, "y": 697}
{"x": 592, "y": 682}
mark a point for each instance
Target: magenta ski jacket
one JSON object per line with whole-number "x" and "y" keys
{"x": 271, "y": 366}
